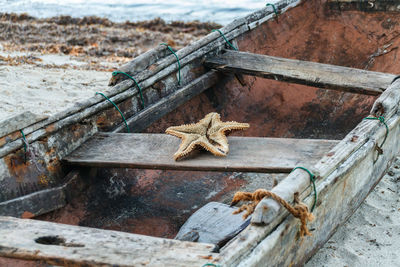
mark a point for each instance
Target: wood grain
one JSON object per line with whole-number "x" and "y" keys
{"x": 155, "y": 151}
{"x": 213, "y": 223}
{"x": 303, "y": 72}
{"x": 69, "y": 245}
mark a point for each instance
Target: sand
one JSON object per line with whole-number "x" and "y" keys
{"x": 371, "y": 237}
{"x": 46, "y": 65}
{"x": 45, "y": 91}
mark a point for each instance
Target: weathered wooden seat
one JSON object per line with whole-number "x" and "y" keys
{"x": 155, "y": 151}
{"x": 214, "y": 223}
{"x": 302, "y": 72}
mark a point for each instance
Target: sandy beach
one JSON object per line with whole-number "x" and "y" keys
{"x": 46, "y": 65}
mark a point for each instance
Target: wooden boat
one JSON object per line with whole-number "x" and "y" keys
{"x": 299, "y": 78}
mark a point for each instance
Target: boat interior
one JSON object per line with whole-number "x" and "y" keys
{"x": 158, "y": 202}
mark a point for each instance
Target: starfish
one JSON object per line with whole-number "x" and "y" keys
{"x": 209, "y": 133}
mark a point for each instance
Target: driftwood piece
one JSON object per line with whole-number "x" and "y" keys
{"x": 40, "y": 202}
{"x": 302, "y": 72}
{"x": 60, "y": 244}
{"x": 155, "y": 151}
{"x": 19, "y": 121}
{"x": 213, "y": 223}
{"x": 167, "y": 104}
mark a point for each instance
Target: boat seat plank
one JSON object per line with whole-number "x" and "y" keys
{"x": 70, "y": 245}
{"x": 155, "y": 151}
{"x": 214, "y": 223}
{"x": 302, "y": 72}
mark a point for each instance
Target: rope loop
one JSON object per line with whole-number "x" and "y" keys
{"x": 211, "y": 264}
{"x": 133, "y": 79}
{"x": 226, "y": 40}
{"x": 120, "y": 112}
{"x": 382, "y": 120}
{"x": 177, "y": 59}
{"x": 274, "y": 7}
{"x": 312, "y": 179}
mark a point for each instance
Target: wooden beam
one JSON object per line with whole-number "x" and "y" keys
{"x": 40, "y": 202}
{"x": 146, "y": 117}
{"x": 68, "y": 245}
{"x": 155, "y": 151}
{"x": 303, "y": 72}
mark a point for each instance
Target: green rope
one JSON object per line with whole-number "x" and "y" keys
{"x": 177, "y": 59}
{"x": 122, "y": 115}
{"x": 25, "y": 142}
{"x": 312, "y": 179}
{"x": 275, "y": 10}
{"x": 226, "y": 40}
{"x": 24, "y": 138}
{"x": 130, "y": 77}
{"x": 382, "y": 120}
{"x": 211, "y": 264}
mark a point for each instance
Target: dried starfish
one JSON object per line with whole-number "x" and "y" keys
{"x": 209, "y": 133}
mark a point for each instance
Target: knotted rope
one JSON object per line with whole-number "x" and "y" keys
{"x": 382, "y": 120}
{"x": 299, "y": 210}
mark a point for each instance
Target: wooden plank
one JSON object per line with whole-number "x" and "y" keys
{"x": 70, "y": 245}
{"x": 303, "y": 72}
{"x": 155, "y": 151}
{"x": 213, "y": 223}
{"x": 40, "y": 202}
{"x": 146, "y": 117}
{"x": 19, "y": 121}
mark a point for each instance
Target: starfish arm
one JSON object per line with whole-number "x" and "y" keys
{"x": 216, "y": 150}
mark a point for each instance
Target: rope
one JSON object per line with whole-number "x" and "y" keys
{"x": 177, "y": 59}
{"x": 26, "y": 144}
{"x": 312, "y": 179}
{"x": 299, "y": 210}
{"x": 211, "y": 264}
{"x": 122, "y": 115}
{"x": 382, "y": 120}
{"x": 130, "y": 77}
{"x": 275, "y": 10}
{"x": 226, "y": 40}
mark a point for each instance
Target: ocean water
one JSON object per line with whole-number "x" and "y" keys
{"x": 220, "y": 11}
